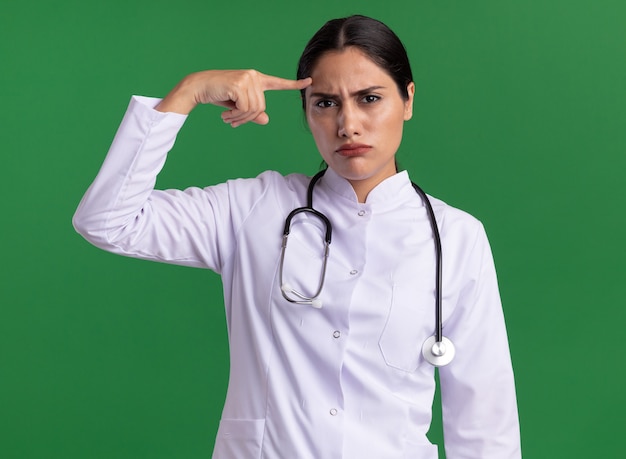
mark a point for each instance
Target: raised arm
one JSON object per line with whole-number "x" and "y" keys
{"x": 122, "y": 213}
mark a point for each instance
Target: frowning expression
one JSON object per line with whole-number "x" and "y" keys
{"x": 356, "y": 115}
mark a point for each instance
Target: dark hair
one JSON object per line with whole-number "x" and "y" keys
{"x": 372, "y": 37}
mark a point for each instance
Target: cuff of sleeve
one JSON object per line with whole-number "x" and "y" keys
{"x": 145, "y": 106}
{"x": 144, "y": 129}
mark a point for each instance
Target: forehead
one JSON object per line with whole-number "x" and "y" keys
{"x": 350, "y": 70}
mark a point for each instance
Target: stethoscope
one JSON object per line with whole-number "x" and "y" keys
{"x": 437, "y": 349}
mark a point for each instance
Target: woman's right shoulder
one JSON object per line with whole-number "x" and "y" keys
{"x": 285, "y": 190}
{"x": 269, "y": 180}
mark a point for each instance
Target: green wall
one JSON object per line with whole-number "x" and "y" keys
{"x": 520, "y": 115}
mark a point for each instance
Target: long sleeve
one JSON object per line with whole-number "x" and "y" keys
{"x": 122, "y": 213}
{"x": 478, "y": 391}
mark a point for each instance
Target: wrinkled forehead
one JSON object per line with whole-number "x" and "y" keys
{"x": 347, "y": 71}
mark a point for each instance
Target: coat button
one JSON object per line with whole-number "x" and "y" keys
{"x": 333, "y": 411}
{"x": 336, "y": 334}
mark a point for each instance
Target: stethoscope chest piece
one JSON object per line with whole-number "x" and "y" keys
{"x": 438, "y": 353}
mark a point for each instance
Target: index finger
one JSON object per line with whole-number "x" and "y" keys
{"x": 273, "y": 83}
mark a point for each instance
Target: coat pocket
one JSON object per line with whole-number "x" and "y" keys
{"x": 410, "y": 322}
{"x": 239, "y": 439}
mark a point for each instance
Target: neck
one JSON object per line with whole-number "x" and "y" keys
{"x": 362, "y": 188}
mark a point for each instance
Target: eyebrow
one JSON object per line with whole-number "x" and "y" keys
{"x": 360, "y": 92}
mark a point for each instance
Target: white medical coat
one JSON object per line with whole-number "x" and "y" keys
{"x": 347, "y": 380}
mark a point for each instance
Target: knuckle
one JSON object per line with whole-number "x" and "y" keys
{"x": 250, "y": 75}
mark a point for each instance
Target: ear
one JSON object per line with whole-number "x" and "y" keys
{"x": 408, "y": 105}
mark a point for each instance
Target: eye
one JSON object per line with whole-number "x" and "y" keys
{"x": 325, "y": 103}
{"x": 370, "y": 99}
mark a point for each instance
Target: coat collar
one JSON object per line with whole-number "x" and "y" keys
{"x": 392, "y": 189}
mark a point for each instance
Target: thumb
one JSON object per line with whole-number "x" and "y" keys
{"x": 263, "y": 118}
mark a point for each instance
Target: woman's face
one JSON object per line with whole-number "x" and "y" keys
{"x": 356, "y": 115}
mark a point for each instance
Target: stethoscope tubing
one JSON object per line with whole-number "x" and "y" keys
{"x": 304, "y": 299}
{"x": 438, "y": 263}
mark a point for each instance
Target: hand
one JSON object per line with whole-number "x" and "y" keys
{"x": 241, "y": 91}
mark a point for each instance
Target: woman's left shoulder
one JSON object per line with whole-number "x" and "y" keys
{"x": 450, "y": 218}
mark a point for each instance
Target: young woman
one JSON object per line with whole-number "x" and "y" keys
{"x": 327, "y": 353}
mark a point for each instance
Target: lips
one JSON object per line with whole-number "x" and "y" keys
{"x": 353, "y": 149}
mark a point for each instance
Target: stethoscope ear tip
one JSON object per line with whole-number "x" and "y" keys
{"x": 287, "y": 290}
{"x": 316, "y": 303}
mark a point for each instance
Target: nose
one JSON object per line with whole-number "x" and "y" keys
{"x": 348, "y": 122}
